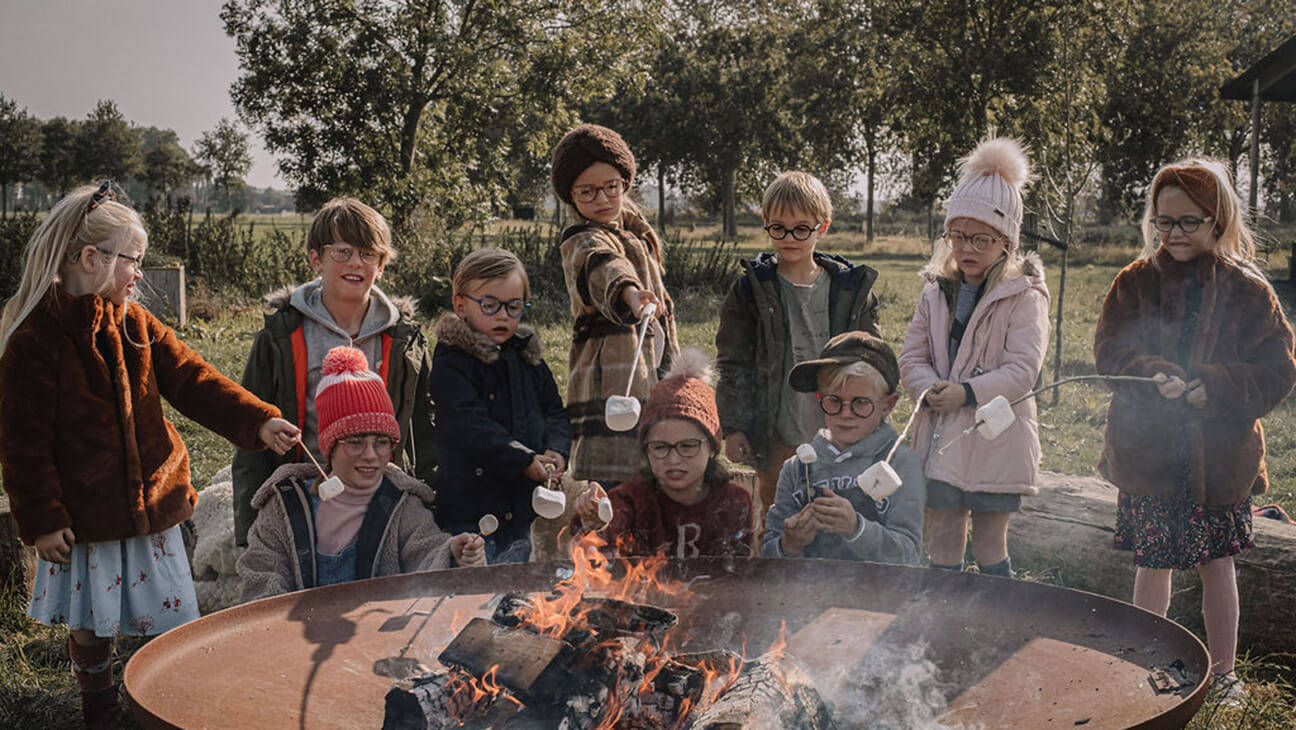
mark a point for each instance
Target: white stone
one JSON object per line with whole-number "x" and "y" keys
{"x": 548, "y": 503}
{"x": 806, "y": 454}
{"x": 994, "y": 417}
{"x": 621, "y": 413}
{"x": 879, "y": 481}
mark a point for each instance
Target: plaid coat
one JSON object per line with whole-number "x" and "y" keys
{"x": 599, "y": 262}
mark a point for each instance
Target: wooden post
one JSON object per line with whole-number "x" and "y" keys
{"x": 1057, "y": 348}
{"x": 1253, "y": 197}
{"x": 164, "y": 293}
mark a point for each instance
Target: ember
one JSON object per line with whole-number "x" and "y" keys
{"x": 588, "y": 656}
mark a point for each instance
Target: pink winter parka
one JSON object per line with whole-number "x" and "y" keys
{"x": 1001, "y": 353}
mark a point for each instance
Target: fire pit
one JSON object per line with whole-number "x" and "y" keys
{"x": 885, "y": 646}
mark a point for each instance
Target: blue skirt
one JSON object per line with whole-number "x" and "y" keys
{"x": 139, "y": 586}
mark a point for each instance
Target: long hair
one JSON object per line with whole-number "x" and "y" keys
{"x": 1235, "y": 242}
{"x": 944, "y": 265}
{"x": 69, "y": 227}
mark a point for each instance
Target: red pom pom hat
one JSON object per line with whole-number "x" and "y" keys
{"x": 351, "y": 399}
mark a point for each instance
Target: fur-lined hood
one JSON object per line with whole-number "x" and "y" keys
{"x": 303, "y": 471}
{"x": 280, "y": 298}
{"x": 455, "y": 331}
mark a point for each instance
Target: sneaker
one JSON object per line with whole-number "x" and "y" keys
{"x": 1227, "y": 690}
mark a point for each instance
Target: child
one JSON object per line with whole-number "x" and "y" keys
{"x": 98, "y": 479}
{"x": 379, "y": 525}
{"x": 349, "y": 245}
{"x": 503, "y": 426}
{"x": 782, "y": 311}
{"x": 979, "y": 330}
{"x": 1188, "y": 454}
{"x": 854, "y": 380}
{"x": 683, "y": 504}
{"x": 612, "y": 261}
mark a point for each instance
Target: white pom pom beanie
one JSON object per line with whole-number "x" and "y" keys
{"x": 990, "y": 187}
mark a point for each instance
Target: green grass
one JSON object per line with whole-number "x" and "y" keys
{"x": 37, "y": 690}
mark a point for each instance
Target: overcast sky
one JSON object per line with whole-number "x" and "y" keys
{"x": 167, "y": 63}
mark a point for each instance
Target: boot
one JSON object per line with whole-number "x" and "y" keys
{"x": 1002, "y": 568}
{"x": 92, "y": 665}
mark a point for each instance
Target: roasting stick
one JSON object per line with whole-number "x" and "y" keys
{"x": 912, "y": 414}
{"x": 1004, "y": 403}
{"x": 329, "y": 487}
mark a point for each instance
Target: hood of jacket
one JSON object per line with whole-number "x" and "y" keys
{"x": 871, "y": 448}
{"x": 304, "y": 471}
{"x": 1032, "y": 276}
{"x": 384, "y": 311}
{"x": 451, "y": 329}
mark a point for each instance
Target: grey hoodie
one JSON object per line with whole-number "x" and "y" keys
{"x": 896, "y": 535}
{"x": 322, "y": 334}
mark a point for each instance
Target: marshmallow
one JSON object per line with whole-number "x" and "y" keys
{"x": 330, "y": 488}
{"x": 605, "y": 509}
{"x": 621, "y": 413}
{"x": 487, "y": 525}
{"x": 879, "y": 481}
{"x": 548, "y": 503}
{"x": 993, "y": 418}
{"x": 806, "y": 454}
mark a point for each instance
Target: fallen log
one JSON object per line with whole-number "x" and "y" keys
{"x": 772, "y": 693}
{"x": 1067, "y": 531}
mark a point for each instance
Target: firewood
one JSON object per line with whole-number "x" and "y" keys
{"x": 436, "y": 702}
{"x": 772, "y": 693}
{"x": 527, "y": 663}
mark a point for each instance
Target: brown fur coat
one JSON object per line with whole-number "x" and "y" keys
{"x": 1242, "y": 353}
{"x": 83, "y": 442}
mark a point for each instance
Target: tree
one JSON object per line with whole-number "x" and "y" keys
{"x": 58, "y": 164}
{"x": 167, "y": 165}
{"x": 224, "y": 156}
{"x": 420, "y": 104}
{"x": 20, "y": 141}
{"x": 107, "y": 146}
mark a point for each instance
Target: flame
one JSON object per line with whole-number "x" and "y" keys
{"x": 780, "y": 642}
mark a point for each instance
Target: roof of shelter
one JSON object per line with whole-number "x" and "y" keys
{"x": 1276, "y": 72}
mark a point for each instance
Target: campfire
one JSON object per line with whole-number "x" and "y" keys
{"x": 596, "y": 653}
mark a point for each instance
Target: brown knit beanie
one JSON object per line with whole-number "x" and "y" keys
{"x": 1197, "y": 183}
{"x": 582, "y": 147}
{"x": 684, "y": 393}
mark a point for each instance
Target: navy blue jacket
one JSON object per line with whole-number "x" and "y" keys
{"x": 497, "y": 407}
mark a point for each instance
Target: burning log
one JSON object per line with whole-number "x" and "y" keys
{"x": 603, "y": 616}
{"x": 443, "y": 700}
{"x": 772, "y": 693}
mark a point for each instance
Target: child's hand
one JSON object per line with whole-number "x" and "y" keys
{"x": 56, "y": 547}
{"x": 946, "y": 397}
{"x": 556, "y": 460}
{"x": 635, "y": 298}
{"x": 799, "y": 530}
{"x": 1196, "y": 396}
{"x": 279, "y": 435}
{"x": 1171, "y": 386}
{"x": 737, "y": 447}
{"x": 835, "y": 513}
{"x": 469, "y": 550}
{"x": 535, "y": 471}
{"x": 587, "y": 505}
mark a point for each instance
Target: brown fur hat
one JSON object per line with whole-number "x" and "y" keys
{"x": 582, "y": 147}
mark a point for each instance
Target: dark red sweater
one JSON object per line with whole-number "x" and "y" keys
{"x": 645, "y": 522}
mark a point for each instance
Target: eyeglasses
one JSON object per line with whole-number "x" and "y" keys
{"x": 611, "y": 188}
{"x": 687, "y": 449}
{"x": 489, "y": 305}
{"x": 978, "y": 241}
{"x": 342, "y": 252}
{"x": 779, "y": 232}
{"x": 105, "y": 192}
{"x": 357, "y": 445}
{"x": 1187, "y": 224}
{"x": 135, "y": 262}
{"x": 832, "y": 405}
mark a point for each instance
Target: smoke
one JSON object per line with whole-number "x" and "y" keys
{"x": 892, "y": 688}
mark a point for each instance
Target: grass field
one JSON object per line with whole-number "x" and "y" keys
{"x": 37, "y": 691}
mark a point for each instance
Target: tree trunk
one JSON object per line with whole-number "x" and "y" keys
{"x": 4, "y": 201}
{"x": 730, "y": 203}
{"x": 1068, "y": 529}
{"x": 661, "y": 200}
{"x": 872, "y": 171}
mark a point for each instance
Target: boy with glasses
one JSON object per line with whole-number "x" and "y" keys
{"x": 503, "y": 428}
{"x": 782, "y": 310}
{"x": 380, "y": 523}
{"x": 349, "y": 246}
{"x": 854, "y": 380}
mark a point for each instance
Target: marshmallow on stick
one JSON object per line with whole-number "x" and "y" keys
{"x": 487, "y": 525}
{"x": 806, "y": 454}
{"x": 621, "y": 412}
{"x": 605, "y": 510}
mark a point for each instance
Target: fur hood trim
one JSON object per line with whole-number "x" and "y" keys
{"x": 279, "y": 299}
{"x": 302, "y": 471}
{"x": 451, "y": 329}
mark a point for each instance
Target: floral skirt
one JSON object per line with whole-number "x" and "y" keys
{"x": 139, "y": 586}
{"x": 1178, "y": 533}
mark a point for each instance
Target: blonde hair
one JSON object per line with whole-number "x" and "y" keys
{"x": 797, "y": 191}
{"x": 347, "y": 220}
{"x": 70, "y": 226}
{"x": 1235, "y": 242}
{"x": 944, "y": 264}
{"x": 833, "y": 377}
{"x": 489, "y": 263}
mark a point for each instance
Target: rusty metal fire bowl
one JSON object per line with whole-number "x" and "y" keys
{"x": 886, "y": 645}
